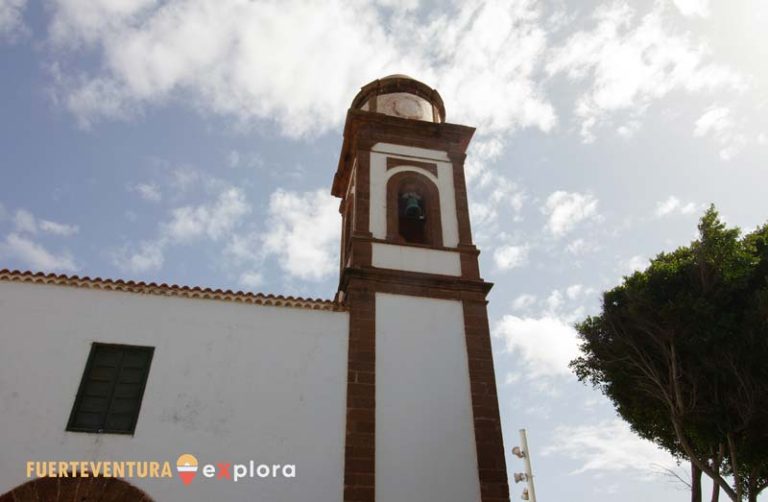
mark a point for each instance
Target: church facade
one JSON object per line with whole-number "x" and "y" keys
{"x": 386, "y": 393}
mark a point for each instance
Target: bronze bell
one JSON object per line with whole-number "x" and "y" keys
{"x": 413, "y": 207}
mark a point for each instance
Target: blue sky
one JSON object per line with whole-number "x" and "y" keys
{"x": 194, "y": 142}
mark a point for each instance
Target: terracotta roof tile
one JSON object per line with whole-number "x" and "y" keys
{"x": 151, "y": 288}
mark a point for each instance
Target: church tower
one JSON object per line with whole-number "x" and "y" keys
{"x": 422, "y": 421}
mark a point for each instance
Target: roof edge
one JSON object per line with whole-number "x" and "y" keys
{"x": 152, "y": 288}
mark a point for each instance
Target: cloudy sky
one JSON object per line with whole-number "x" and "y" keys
{"x": 194, "y": 142}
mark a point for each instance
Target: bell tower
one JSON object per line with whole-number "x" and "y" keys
{"x": 422, "y": 410}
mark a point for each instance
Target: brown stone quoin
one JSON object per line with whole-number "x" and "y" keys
{"x": 359, "y": 282}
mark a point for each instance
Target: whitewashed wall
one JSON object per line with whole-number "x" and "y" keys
{"x": 228, "y": 383}
{"x": 425, "y": 438}
{"x": 415, "y": 259}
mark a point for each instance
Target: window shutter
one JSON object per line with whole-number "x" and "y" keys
{"x": 111, "y": 389}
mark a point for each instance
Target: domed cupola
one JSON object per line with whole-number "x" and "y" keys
{"x": 401, "y": 96}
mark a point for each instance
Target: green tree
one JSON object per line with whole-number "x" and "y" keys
{"x": 681, "y": 349}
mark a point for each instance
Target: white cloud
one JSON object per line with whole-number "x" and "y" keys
{"x": 11, "y": 21}
{"x": 608, "y": 446}
{"x": 233, "y": 159}
{"x": 86, "y": 21}
{"x": 36, "y": 256}
{"x": 216, "y": 220}
{"x": 491, "y": 193}
{"x": 715, "y": 120}
{"x": 523, "y": 302}
{"x": 494, "y": 199}
{"x": 485, "y": 58}
{"x": 236, "y": 159}
{"x": 148, "y": 191}
{"x": 581, "y": 246}
{"x": 693, "y": 7}
{"x": 213, "y": 220}
{"x": 303, "y": 233}
{"x": 633, "y": 62}
{"x": 554, "y": 301}
{"x": 25, "y": 222}
{"x": 251, "y": 279}
{"x": 405, "y": 5}
{"x": 673, "y": 205}
{"x": 240, "y": 59}
{"x": 60, "y": 229}
{"x": 574, "y": 291}
{"x": 245, "y": 248}
{"x": 480, "y": 153}
{"x": 568, "y": 209}
{"x": 629, "y": 129}
{"x": 233, "y": 58}
{"x": 667, "y": 206}
{"x": 511, "y": 378}
{"x": 718, "y": 122}
{"x": 509, "y": 257}
{"x": 183, "y": 178}
{"x": 149, "y": 257}
{"x": 636, "y": 263}
{"x": 546, "y": 345}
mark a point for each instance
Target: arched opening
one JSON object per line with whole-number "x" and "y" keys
{"x": 79, "y": 489}
{"x": 413, "y": 210}
{"x": 412, "y": 213}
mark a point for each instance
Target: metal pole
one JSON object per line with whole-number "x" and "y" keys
{"x": 528, "y": 470}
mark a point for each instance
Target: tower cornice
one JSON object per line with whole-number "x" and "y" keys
{"x": 416, "y": 283}
{"x": 363, "y": 129}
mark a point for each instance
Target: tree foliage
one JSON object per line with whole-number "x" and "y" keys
{"x": 681, "y": 349}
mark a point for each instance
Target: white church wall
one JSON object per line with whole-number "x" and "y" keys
{"x": 228, "y": 382}
{"x": 379, "y": 175}
{"x": 425, "y": 443}
{"x": 415, "y": 259}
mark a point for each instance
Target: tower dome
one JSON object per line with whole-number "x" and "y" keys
{"x": 401, "y": 96}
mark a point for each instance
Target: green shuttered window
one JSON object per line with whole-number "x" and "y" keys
{"x": 110, "y": 392}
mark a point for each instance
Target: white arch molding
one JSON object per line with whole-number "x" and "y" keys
{"x": 380, "y": 175}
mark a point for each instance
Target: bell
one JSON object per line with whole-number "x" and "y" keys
{"x": 413, "y": 206}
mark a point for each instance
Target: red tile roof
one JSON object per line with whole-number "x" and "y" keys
{"x": 151, "y": 288}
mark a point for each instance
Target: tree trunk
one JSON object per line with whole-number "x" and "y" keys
{"x": 752, "y": 490}
{"x": 717, "y": 459}
{"x": 695, "y": 483}
{"x": 735, "y": 467}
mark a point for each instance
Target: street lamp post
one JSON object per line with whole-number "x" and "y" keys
{"x": 522, "y": 452}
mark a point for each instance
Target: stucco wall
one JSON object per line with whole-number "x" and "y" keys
{"x": 425, "y": 442}
{"x": 415, "y": 259}
{"x": 228, "y": 383}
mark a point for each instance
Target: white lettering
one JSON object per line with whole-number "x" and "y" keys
{"x": 240, "y": 471}
{"x": 262, "y": 471}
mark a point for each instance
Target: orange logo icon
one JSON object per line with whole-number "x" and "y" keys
{"x": 187, "y": 467}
